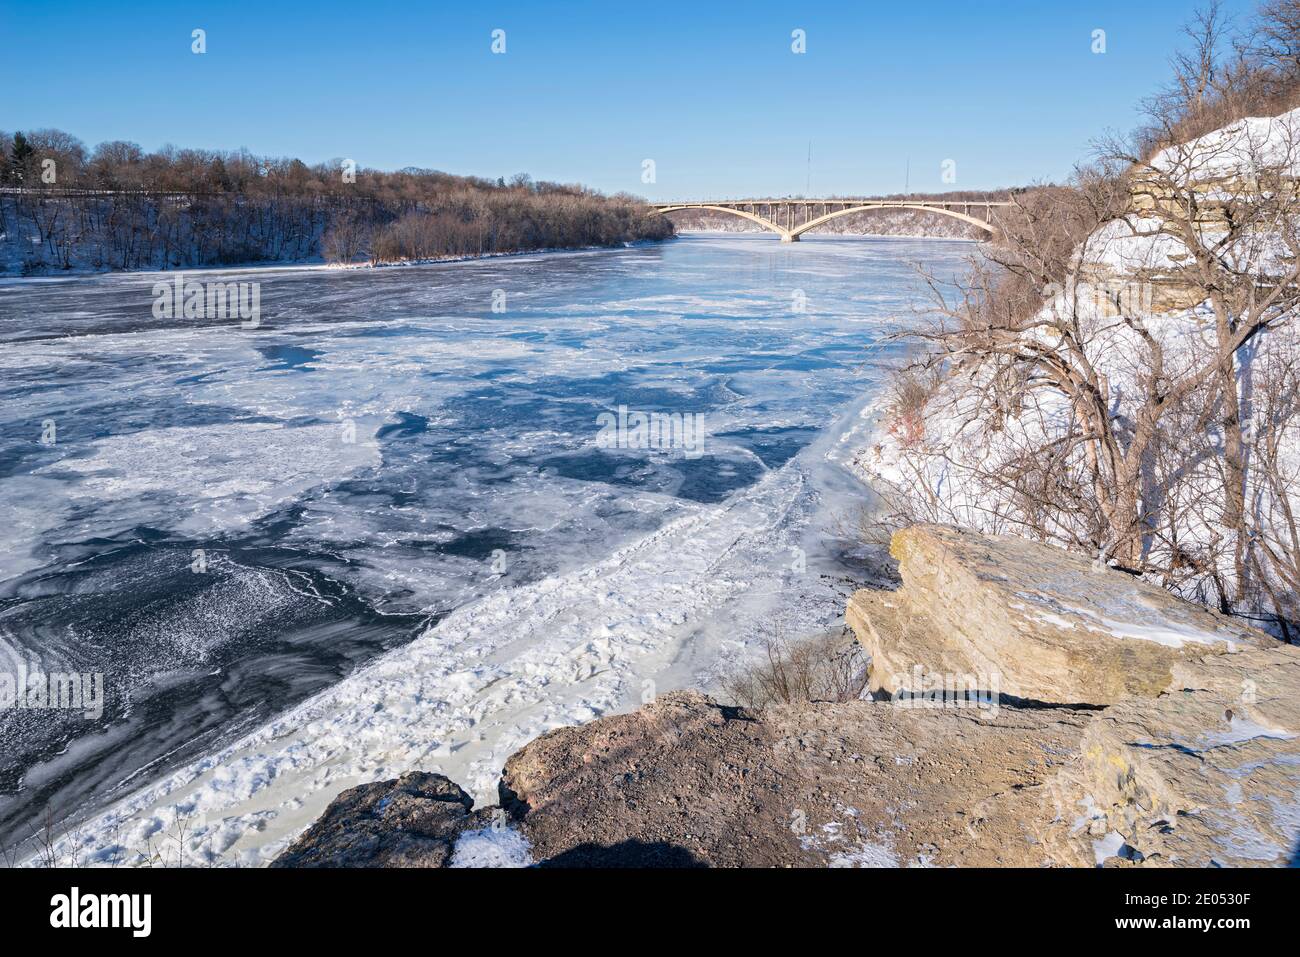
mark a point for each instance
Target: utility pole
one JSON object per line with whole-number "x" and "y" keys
{"x": 807, "y": 190}
{"x": 907, "y": 178}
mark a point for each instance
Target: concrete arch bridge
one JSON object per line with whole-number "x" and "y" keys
{"x": 791, "y": 218}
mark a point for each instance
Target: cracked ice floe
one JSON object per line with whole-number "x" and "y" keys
{"x": 575, "y": 632}
{"x": 30, "y": 508}
{"x": 216, "y": 477}
{"x": 489, "y": 678}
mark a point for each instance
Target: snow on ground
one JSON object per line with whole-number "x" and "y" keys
{"x": 1241, "y": 728}
{"x": 851, "y": 845}
{"x": 1136, "y": 245}
{"x": 1238, "y": 150}
{"x": 492, "y": 847}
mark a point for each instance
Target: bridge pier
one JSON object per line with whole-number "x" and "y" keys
{"x": 789, "y": 237}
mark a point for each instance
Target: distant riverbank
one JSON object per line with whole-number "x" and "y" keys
{"x": 116, "y": 208}
{"x": 316, "y": 263}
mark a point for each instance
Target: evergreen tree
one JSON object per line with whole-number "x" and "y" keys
{"x": 20, "y": 155}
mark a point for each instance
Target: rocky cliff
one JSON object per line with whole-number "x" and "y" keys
{"x": 1031, "y": 710}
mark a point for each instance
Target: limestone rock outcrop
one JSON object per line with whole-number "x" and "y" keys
{"x": 1030, "y": 621}
{"x": 1207, "y": 775}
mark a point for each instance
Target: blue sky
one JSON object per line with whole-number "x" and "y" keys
{"x": 585, "y": 92}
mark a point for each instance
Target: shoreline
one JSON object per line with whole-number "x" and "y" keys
{"x": 315, "y": 266}
{"x": 321, "y": 266}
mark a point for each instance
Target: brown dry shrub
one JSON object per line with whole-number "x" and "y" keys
{"x": 830, "y": 667}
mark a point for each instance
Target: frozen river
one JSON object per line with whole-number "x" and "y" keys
{"x": 388, "y": 529}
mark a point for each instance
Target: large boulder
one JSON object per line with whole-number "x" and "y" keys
{"x": 687, "y": 782}
{"x": 1030, "y": 622}
{"x": 413, "y": 821}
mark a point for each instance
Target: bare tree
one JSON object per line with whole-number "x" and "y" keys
{"x": 1090, "y": 396}
{"x": 1197, "y": 69}
{"x": 1222, "y": 216}
{"x": 1276, "y": 36}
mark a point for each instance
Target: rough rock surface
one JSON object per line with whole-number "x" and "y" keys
{"x": 1030, "y": 621}
{"x": 1193, "y": 761}
{"x": 413, "y": 821}
{"x": 1206, "y": 775}
{"x": 687, "y": 782}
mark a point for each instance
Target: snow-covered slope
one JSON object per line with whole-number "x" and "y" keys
{"x": 951, "y": 462}
{"x": 1240, "y": 150}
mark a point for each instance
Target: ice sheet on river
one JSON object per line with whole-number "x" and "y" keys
{"x": 471, "y": 438}
{"x": 470, "y": 691}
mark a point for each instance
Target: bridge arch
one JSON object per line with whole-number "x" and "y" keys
{"x": 793, "y": 234}
{"x": 820, "y": 220}
{"x": 786, "y": 235}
